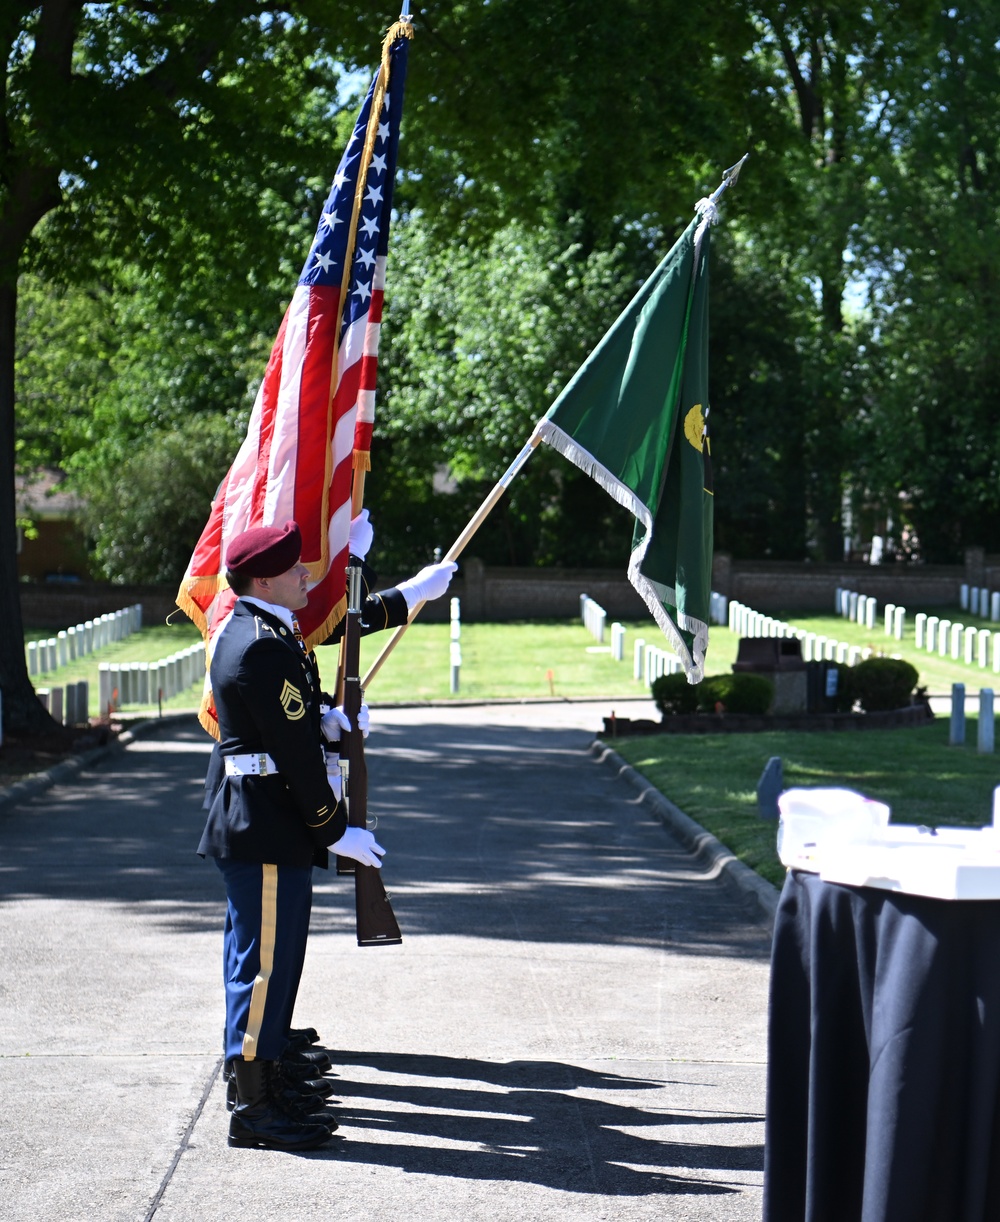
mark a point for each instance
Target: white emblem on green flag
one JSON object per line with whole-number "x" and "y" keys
{"x": 634, "y": 418}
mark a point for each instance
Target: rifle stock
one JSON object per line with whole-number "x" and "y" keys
{"x": 376, "y": 922}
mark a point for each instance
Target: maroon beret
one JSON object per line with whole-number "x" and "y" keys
{"x": 265, "y": 551}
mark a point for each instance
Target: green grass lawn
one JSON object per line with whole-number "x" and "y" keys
{"x": 513, "y": 660}
{"x": 713, "y": 777}
{"x": 517, "y": 660}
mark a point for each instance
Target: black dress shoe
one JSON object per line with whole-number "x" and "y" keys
{"x": 315, "y": 1058}
{"x": 307, "y": 1035}
{"x": 303, "y": 1081}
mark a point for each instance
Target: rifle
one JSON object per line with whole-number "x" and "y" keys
{"x": 376, "y": 922}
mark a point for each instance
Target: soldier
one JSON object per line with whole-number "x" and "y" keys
{"x": 274, "y": 813}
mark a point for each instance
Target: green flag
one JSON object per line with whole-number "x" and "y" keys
{"x": 634, "y": 417}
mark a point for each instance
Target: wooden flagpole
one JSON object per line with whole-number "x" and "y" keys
{"x": 460, "y": 543}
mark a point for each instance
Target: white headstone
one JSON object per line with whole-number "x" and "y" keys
{"x": 919, "y": 624}
{"x": 639, "y": 658}
{"x": 899, "y": 623}
{"x": 986, "y": 728}
{"x": 956, "y": 640}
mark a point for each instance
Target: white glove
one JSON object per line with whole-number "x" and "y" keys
{"x": 430, "y": 583}
{"x": 359, "y": 843}
{"x": 361, "y": 534}
{"x": 335, "y": 720}
{"x": 334, "y": 777}
{"x": 332, "y": 722}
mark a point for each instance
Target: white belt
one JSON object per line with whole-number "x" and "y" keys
{"x": 256, "y": 764}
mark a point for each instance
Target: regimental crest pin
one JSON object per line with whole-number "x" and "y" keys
{"x": 292, "y": 702}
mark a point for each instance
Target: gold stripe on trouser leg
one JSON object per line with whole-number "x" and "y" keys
{"x": 268, "y": 929}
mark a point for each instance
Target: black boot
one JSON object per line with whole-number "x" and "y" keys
{"x": 260, "y": 1121}
{"x": 294, "y": 1097}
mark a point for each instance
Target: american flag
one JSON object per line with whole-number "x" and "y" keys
{"x": 312, "y": 420}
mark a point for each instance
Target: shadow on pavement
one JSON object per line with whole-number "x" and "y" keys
{"x": 531, "y": 1124}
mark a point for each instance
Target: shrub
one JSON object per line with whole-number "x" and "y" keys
{"x": 883, "y": 683}
{"x": 673, "y": 694}
{"x": 737, "y": 693}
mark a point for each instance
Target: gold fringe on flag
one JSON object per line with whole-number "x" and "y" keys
{"x": 322, "y": 633}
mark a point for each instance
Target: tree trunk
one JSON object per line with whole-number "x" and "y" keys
{"x": 23, "y": 712}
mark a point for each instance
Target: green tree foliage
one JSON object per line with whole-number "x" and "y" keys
{"x": 162, "y": 136}
{"x": 161, "y": 169}
{"x": 480, "y": 340}
{"x": 172, "y": 475}
{"x": 929, "y": 433}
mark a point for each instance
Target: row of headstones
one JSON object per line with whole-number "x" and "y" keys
{"x": 957, "y": 641}
{"x": 82, "y": 639}
{"x": 978, "y": 600}
{"x": 744, "y": 621}
{"x": 121, "y": 683}
{"x": 650, "y": 661}
{"x": 69, "y": 704}
{"x": 863, "y": 609}
{"x": 595, "y": 620}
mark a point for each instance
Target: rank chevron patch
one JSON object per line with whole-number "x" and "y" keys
{"x": 292, "y": 701}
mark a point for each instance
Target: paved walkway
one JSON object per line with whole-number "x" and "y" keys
{"x": 573, "y": 1028}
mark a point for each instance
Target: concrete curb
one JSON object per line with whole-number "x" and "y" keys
{"x": 712, "y": 853}
{"x": 38, "y": 782}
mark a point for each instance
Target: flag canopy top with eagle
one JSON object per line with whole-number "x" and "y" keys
{"x": 312, "y": 421}
{"x": 634, "y": 417}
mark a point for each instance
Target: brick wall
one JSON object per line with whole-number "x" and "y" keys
{"x": 499, "y": 594}
{"x": 811, "y": 587}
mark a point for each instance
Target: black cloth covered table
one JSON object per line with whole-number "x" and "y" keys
{"x": 883, "y": 1057}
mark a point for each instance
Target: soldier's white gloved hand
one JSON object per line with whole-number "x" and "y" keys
{"x": 335, "y": 721}
{"x": 359, "y": 843}
{"x": 332, "y": 722}
{"x": 430, "y": 583}
{"x": 334, "y": 777}
{"x": 361, "y": 535}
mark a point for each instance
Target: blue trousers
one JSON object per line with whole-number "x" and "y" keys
{"x": 264, "y": 946}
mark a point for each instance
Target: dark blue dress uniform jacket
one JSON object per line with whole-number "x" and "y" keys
{"x": 267, "y": 698}
{"x": 379, "y": 611}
